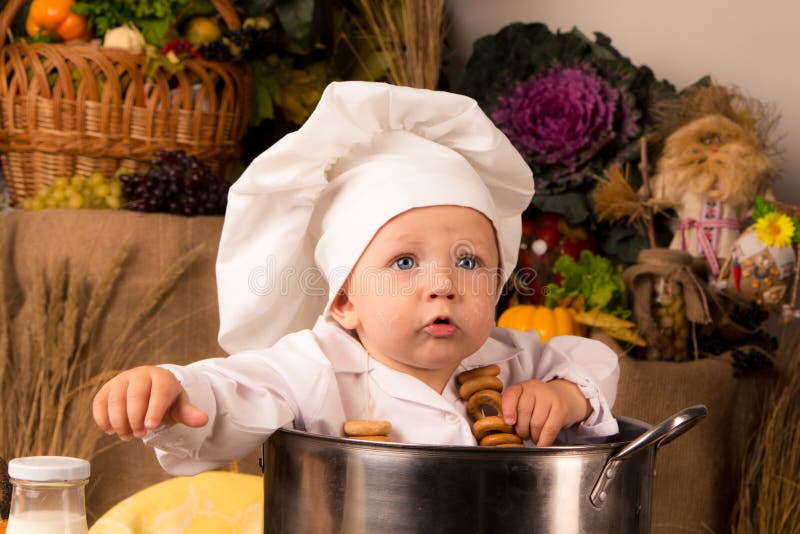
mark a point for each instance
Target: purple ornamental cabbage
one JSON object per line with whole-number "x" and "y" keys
{"x": 560, "y": 121}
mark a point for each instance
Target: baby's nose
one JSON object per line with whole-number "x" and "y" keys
{"x": 441, "y": 285}
{"x": 443, "y": 293}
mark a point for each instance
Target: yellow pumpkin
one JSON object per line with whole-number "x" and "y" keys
{"x": 546, "y": 321}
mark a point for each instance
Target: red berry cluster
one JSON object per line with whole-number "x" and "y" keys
{"x": 180, "y": 47}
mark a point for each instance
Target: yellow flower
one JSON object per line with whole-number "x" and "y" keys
{"x": 775, "y": 229}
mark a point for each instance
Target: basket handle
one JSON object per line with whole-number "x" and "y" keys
{"x": 7, "y": 17}
{"x": 223, "y": 7}
{"x": 228, "y": 13}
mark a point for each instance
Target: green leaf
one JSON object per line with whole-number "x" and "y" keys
{"x": 595, "y": 279}
{"x": 153, "y": 17}
{"x": 761, "y": 208}
{"x": 156, "y": 60}
{"x": 155, "y": 30}
{"x": 268, "y": 78}
{"x": 263, "y": 107}
{"x": 200, "y": 7}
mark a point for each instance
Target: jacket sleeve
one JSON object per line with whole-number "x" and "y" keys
{"x": 247, "y": 397}
{"x": 588, "y": 363}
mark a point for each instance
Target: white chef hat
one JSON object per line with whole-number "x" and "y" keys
{"x": 302, "y": 213}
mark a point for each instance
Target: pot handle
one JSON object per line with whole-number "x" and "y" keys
{"x": 658, "y": 435}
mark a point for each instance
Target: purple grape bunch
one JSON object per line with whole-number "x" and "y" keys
{"x": 257, "y": 38}
{"x": 176, "y": 183}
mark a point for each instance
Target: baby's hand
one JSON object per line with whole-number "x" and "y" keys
{"x": 142, "y": 398}
{"x": 539, "y": 410}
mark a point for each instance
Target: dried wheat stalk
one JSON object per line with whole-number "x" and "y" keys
{"x": 410, "y": 35}
{"x": 770, "y": 486}
{"x": 49, "y": 378}
{"x": 615, "y": 199}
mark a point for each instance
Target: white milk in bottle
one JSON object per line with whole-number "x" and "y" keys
{"x": 48, "y": 496}
{"x": 47, "y": 522}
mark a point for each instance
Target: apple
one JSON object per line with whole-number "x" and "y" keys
{"x": 574, "y": 248}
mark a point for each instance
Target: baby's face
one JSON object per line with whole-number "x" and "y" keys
{"x": 422, "y": 295}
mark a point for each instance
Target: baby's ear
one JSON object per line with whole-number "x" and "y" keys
{"x": 343, "y": 311}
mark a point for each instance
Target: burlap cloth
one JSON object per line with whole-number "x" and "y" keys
{"x": 184, "y": 330}
{"x": 696, "y": 475}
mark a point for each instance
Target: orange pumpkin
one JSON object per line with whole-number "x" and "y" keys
{"x": 546, "y": 321}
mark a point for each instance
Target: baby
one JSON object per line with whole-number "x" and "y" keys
{"x": 401, "y": 225}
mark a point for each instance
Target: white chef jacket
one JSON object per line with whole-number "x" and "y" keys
{"x": 316, "y": 380}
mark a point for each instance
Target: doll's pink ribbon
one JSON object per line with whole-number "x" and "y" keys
{"x": 702, "y": 238}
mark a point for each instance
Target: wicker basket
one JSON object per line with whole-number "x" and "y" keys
{"x": 99, "y": 112}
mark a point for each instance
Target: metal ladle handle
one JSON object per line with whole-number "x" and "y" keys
{"x": 656, "y": 436}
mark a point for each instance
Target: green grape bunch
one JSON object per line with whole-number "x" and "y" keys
{"x": 91, "y": 192}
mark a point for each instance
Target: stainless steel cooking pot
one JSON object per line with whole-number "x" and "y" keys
{"x": 326, "y": 484}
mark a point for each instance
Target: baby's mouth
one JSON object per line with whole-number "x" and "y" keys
{"x": 441, "y": 326}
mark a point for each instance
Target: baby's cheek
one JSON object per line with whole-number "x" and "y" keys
{"x": 392, "y": 316}
{"x": 387, "y": 319}
{"x": 481, "y": 314}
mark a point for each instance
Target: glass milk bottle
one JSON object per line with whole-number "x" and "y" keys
{"x": 48, "y": 496}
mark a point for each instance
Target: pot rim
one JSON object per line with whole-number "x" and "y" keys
{"x": 613, "y": 444}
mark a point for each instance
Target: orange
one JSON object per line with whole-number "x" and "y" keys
{"x": 55, "y": 15}
{"x": 31, "y": 27}
{"x": 73, "y": 27}
{"x": 48, "y": 14}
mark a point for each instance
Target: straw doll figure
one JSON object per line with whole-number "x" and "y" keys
{"x": 714, "y": 162}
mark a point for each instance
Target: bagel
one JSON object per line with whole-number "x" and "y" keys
{"x": 478, "y": 383}
{"x": 367, "y": 428}
{"x": 488, "y": 370}
{"x": 488, "y": 398}
{"x": 500, "y": 439}
{"x": 487, "y": 425}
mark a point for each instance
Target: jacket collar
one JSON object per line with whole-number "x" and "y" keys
{"x": 347, "y": 355}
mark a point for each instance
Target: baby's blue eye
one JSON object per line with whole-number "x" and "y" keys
{"x": 468, "y": 262}
{"x": 404, "y": 263}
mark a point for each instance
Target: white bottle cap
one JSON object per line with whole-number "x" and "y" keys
{"x": 48, "y": 468}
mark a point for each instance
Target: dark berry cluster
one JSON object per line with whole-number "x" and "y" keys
{"x": 218, "y": 50}
{"x": 748, "y": 360}
{"x": 176, "y": 183}
{"x": 712, "y": 345}
{"x": 749, "y": 317}
{"x": 764, "y": 340}
{"x": 257, "y": 38}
